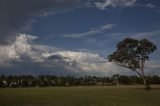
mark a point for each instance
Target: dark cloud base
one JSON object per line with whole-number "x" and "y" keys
{"x": 18, "y": 15}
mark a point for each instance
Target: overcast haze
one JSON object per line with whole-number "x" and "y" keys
{"x": 74, "y": 37}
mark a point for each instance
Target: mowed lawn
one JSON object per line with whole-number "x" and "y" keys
{"x": 79, "y": 96}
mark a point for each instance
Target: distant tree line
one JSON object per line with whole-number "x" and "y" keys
{"x": 53, "y": 81}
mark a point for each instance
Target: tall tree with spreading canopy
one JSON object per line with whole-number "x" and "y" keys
{"x": 133, "y": 54}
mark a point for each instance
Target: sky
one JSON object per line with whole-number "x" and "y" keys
{"x": 74, "y": 37}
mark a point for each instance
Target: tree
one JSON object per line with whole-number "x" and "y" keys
{"x": 133, "y": 54}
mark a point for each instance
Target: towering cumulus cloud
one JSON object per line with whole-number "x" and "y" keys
{"x": 25, "y": 57}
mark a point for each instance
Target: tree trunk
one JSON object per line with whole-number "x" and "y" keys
{"x": 144, "y": 80}
{"x": 146, "y": 84}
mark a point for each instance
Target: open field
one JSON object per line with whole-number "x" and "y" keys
{"x": 80, "y": 96}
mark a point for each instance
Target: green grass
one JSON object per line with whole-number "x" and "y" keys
{"x": 79, "y": 96}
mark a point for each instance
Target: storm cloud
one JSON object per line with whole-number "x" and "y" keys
{"x": 16, "y": 16}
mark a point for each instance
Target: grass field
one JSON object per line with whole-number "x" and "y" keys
{"x": 79, "y": 96}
